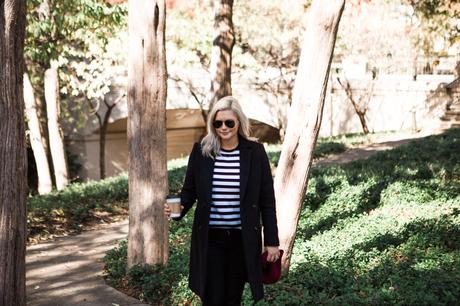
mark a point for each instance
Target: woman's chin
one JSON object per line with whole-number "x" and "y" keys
{"x": 225, "y": 136}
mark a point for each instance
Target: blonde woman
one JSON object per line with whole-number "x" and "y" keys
{"x": 229, "y": 176}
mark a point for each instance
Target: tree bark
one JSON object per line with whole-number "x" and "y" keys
{"x": 45, "y": 184}
{"x": 13, "y": 165}
{"x": 148, "y": 185}
{"x": 54, "y": 131}
{"x": 221, "y": 54}
{"x": 304, "y": 118}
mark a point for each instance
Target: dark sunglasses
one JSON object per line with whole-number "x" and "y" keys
{"x": 228, "y": 123}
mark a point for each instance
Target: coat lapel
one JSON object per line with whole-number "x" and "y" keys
{"x": 208, "y": 167}
{"x": 245, "y": 165}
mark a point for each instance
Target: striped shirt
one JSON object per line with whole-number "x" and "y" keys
{"x": 225, "y": 205}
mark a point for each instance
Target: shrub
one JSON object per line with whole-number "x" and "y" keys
{"x": 381, "y": 231}
{"x": 79, "y": 204}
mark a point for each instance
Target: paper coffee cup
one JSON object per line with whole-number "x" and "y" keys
{"x": 173, "y": 202}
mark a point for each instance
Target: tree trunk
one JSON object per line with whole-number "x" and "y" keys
{"x": 304, "y": 118}
{"x": 13, "y": 165}
{"x": 103, "y": 134}
{"x": 362, "y": 119}
{"x": 102, "y": 137}
{"x": 221, "y": 56}
{"x": 45, "y": 184}
{"x": 54, "y": 130}
{"x": 148, "y": 185}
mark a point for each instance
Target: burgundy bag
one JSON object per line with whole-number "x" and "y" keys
{"x": 271, "y": 271}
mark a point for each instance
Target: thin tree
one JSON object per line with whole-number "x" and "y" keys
{"x": 51, "y": 88}
{"x": 221, "y": 56}
{"x": 103, "y": 121}
{"x": 13, "y": 166}
{"x": 304, "y": 119}
{"x": 56, "y": 137}
{"x": 197, "y": 94}
{"x": 280, "y": 87}
{"x": 45, "y": 184}
{"x": 147, "y": 76}
{"x": 54, "y": 32}
{"x": 361, "y": 104}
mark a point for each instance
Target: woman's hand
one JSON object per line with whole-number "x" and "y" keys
{"x": 273, "y": 253}
{"x": 167, "y": 210}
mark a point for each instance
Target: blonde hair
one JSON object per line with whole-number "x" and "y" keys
{"x": 210, "y": 144}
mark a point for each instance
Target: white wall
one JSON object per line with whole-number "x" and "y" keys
{"x": 396, "y": 103}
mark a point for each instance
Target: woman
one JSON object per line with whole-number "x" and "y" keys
{"x": 229, "y": 176}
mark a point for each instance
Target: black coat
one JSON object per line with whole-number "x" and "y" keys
{"x": 257, "y": 204}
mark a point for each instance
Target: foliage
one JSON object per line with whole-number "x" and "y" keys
{"x": 68, "y": 210}
{"x": 189, "y": 35}
{"x": 58, "y": 30}
{"x": 277, "y": 45}
{"x": 438, "y": 20}
{"x": 160, "y": 286}
{"x": 330, "y": 145}
{"x": 267, "y": 56}
{"x": 77, "y": 205}
{"x": 323, "y": 148}
{"x": 397, "y": 36}
{"x": 94, "y": 84}
{"x": 256, "y": 44}
{"x": 106, "y": 191}
{"x": 380, "y": 231}
{"x": 78, "y": 36}
{"x": 157, "y": 285}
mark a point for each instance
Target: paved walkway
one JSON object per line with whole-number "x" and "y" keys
{"x": 68, "y": 270}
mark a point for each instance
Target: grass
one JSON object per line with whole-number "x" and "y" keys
{"x": 381, "y": 231}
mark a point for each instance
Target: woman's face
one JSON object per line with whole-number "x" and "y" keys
{"x": 222, "y": 120}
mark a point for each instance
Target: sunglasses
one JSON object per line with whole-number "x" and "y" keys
{"x": 228, "y": 123}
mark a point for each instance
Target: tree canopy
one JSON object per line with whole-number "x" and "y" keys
{"x": 439, "y": 22}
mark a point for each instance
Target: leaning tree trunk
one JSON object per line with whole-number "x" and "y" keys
{"x": 304, "y": 118}
{"x": 13, "y": 166}
{"x": 54, "y": 129}
{"x": 221, "y": 56}
{"x": 147, "y": 75}
{"x": 41, "y": 160}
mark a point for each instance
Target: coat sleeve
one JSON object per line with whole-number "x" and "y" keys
{"x": 188, "y": 193}
{"x": 267, "y": 202}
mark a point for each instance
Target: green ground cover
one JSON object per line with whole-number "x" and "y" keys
{"x": 381, "y": 231}
{"x": 78, "y": 206}
{"x": 85, "y": 205}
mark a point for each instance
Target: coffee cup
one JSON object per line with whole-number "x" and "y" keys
{"x": 173, "y": 202}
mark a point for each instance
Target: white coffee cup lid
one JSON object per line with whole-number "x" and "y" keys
{"x": 173, "y": 200}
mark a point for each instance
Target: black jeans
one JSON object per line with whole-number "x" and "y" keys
{"x": 226, "y": 268}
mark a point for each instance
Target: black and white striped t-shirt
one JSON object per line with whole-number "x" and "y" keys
{"x": 225, "y": 205}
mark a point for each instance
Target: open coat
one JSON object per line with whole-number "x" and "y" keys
{"x": 257, "y": 204}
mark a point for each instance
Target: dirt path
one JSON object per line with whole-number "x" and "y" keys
{"x": 385, "y": 142}
{"x": 68, "y": 270}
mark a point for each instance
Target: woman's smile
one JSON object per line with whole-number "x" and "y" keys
{"x": 228, "y": 135}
